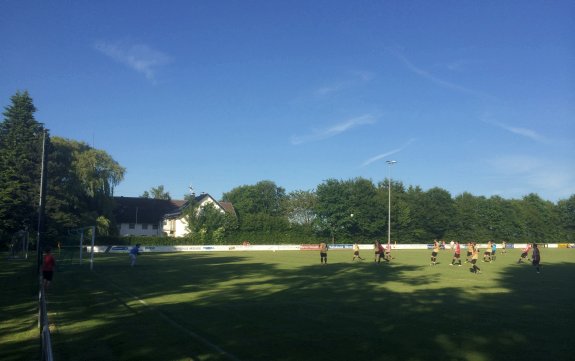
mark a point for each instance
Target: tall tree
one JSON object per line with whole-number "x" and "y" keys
{"x": 20, "y": 162}
{"x": 81, "y": 182}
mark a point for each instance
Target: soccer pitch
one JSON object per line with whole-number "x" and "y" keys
{"x": 287, "y": 306}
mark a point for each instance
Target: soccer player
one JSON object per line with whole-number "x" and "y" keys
{"x": 388, "y": 252}
{"x": 524, "y": 253}
{"x": 356, "y": 252}
{"x": 493, "y": 250}
{"x": 456, "y": 254}
{"x": 323, "y": 252}
{"x": 48, "y": 265}
{"x": 134, "y": 252}
{"x": 469, "y": 252}
{"x": 487, "y": 253}
{"x": 377, "y": 251}
{"x": 503, "y": 247}
{"x": 434, "y": 252}
{"x": 474, "y": 259}
{"x": 536, "y": 257}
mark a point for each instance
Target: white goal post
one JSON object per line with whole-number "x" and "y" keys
{"x": 82, "y": 231}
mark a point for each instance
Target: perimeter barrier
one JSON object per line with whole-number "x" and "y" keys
{"x": 44, "y": 326}
{"x": 286, "y": 247}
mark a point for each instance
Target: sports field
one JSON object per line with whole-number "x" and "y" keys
{"x": 286, "y": 306}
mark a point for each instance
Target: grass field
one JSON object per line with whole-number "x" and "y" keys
{"x": 286, "y": 306}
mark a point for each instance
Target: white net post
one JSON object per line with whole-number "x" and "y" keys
{"x": 81, "y": 244}
{"x": 92, "y": 248}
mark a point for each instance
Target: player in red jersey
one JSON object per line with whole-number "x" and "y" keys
{"x": 456, "y": 254}
{"x": 48, "y": 266}
{"x": 524, "y": 253}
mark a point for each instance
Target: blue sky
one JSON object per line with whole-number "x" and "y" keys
{"x": 475, "y": 96}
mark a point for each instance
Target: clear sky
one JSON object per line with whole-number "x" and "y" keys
{"x": 475, "y": 96}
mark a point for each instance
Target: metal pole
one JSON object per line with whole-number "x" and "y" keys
{"x": 42, "y": 202}
{"x": 390, "y": 163}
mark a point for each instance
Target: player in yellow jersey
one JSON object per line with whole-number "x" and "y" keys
{"x": 356, "y": 252}
{"x": 323, "y": 252}
{"x": 434, "y": 252}
{"x": 474, "y": 259}
{"x": 469, "y": 252}
{"x": 487, "y": 253}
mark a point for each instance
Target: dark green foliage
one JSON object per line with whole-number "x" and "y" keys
{"x": 81, "y": 180}
{"x": 20, "y": 165}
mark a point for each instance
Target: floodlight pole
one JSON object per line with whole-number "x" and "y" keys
{"x": 42, "y": 202}
{"x": 390, "y": 163}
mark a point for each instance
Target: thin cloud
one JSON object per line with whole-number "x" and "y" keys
{"x": 334, "y": 130}
{"x": 138, "y": 57}
{"x": 524, "y": 132}
{"x": 434, "y": 79}
{"x": 387, "y": 154}
{"x": 357, "y": 78}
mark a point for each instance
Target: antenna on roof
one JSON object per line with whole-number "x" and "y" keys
{"x": 191, "y": 190}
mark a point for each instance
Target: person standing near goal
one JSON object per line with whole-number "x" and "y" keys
{"x": 48, "y": 265}
{"x": 134, "y": 252}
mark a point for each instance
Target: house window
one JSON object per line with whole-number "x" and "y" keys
{"x": 154, "y": 226}
{"x": 145, "y": 226}
{"x": 132, "y": 225}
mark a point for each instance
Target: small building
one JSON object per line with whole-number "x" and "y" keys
{"x": 175, "y": 223}
{"x": 136, "y": 216}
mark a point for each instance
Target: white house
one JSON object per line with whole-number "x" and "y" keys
{"x": 137, "y": 216}
{"x": 175, "y": 225}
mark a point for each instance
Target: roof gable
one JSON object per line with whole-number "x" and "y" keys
{"x": 143, "y": 210}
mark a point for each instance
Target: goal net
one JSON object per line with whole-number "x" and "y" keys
{"x": 19, "y": 245}
{"x": 76, "y": 247}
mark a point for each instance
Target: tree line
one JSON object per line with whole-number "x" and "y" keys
{"x": 357, "y": 209}
{"x": 81, "y": 181}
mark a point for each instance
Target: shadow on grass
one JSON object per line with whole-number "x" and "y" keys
{"x": 260, "y": 311}
{"x": 19, "y": 333}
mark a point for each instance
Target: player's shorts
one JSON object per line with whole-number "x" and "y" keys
{"x": 356, "y": 253}
{"x": 473, "y": 261}
{"x": 47, "y": 275}
{"x": 493, "y": 252}
{"x": 433, "y": 254}
{"x": 523, "y": 255}
{"x": 323, "y": 254}
{"x": 456, "y": 255}
{"x": 468, "y": 254}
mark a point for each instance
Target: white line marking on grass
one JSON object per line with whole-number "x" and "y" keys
{"x": 190, "y": 333}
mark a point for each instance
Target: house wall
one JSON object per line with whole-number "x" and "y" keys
{"x": 139, "y": 229}
{"x": 179, "y": 227}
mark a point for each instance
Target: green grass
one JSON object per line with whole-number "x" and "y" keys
{"x": 19, "y": 333}
{"x": 286, "y": 306}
